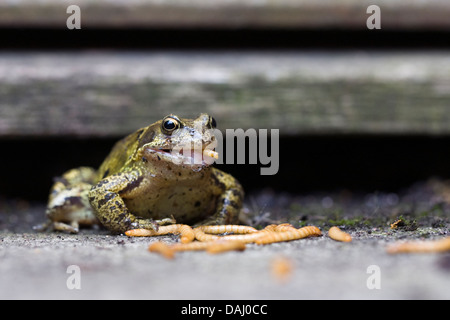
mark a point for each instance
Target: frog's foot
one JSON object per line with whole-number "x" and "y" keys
{"x": 166, "y": 221}
{"x": 41, "y": 227}
{"x": 73, "y": 227}
{"x": 151, "y": 224}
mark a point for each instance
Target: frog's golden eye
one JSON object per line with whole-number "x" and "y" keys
{"x": 170, "y": 124}
{"x": 212, "y": 122}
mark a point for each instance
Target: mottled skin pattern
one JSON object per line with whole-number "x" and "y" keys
{"x": 140, "y": 186}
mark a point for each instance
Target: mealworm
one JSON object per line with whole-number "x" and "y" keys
{"x": 227, "y": 228}
{"x": 245, "y": 238}
{"x": 201, "y": 236}
{"x": 212, "y": 247}
{"x": 162, "y": 248}
{"x": 187, "y": 234}
{"x": 194, "y": 246}
{"x": 304, "y": 232}
{"x": 252, "y": 237}
{"x": 284, "y": 227}
{"x": 281, "y": 268}
{"x": 250, "y": 234}
{"x": 211, "y": 153}
{"x": 222, "y": 246}
{"x": 441, "y": 245}
{"x": 162, "y": 230}
{"x": 270, "y": 227}
{"x": 337, "y": 234}
{"x": 140, "y": 233}
{"x": 202, "y": 233}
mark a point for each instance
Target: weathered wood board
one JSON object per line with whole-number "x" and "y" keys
{"x": 413, "y": 14}
{"x": 114, "y": 93}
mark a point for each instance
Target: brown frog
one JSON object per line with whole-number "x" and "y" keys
{"x": 150, "y": 178}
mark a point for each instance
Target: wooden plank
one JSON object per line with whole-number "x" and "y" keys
{"x": 414, "y": 14}
{"x": 114, "y": 93}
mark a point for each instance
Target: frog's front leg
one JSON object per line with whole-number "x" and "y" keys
{"x": 107, "y": 200}
{"x": 230, "y": 200}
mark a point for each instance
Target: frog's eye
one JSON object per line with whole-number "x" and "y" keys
{"x": 170, "y": 124}
{"x": 212, "y": 122}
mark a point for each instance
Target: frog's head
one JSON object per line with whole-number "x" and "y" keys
{"x": 179, "y": 141}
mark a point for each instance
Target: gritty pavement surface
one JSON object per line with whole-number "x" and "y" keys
{"x": 97, "y": 265}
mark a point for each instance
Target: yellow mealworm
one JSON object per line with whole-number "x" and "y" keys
{"x": 216, "y": 245}
{"x": 245, "y": 238}
{"x": 140, "y": 233}
{"x": 249, "y": 234}
{"x": 284, "y": 227}
{"x": 187, "y": 234}
{"x": 163, "y": 230}
{"x": 304, "y": 232}
{"x": 441, "y": 245}
{"x": 252, "y": 237}
{"x": 270, "y": 227}
{"x": 202, "y": 233}
{"x": 211, "y": 153}
{"x": 201, "y": 236}
{"x": 210, "y": 246}
{"x": 196, "y": 245}
{"x": 222, "y": 246}
{"x": 162, "y": 248}
{"x": 337, "y": 234}
{"x": 216, "y": 229}
{"x": 281, "y": 268}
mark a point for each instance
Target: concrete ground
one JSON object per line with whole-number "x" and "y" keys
{"x": 96, "y": 265}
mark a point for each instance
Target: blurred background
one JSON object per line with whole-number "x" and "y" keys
{"x": 357, "y": 108}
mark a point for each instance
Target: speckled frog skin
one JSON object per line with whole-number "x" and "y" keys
{"x": 139, "y": 185}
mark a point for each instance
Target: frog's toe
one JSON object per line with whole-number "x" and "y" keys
{"x": 165, "y": 221}
{"x": 151, "y": 224}
{"x": 61, "y": 226}
{"x": 58, "y": 226}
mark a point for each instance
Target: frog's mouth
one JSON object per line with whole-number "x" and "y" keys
{"x": 201, "y": 157}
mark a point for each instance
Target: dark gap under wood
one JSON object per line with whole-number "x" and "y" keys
{"x": 307, "y": 164}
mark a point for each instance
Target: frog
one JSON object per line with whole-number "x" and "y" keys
{"x": 157, "y": 175}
